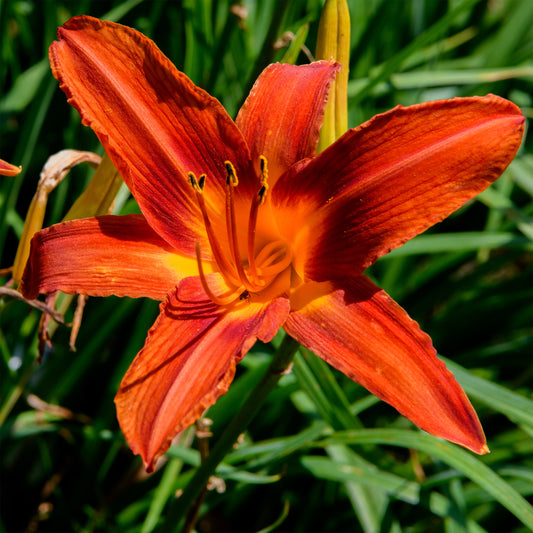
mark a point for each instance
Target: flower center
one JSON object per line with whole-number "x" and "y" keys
{"x": 245, "y": 273}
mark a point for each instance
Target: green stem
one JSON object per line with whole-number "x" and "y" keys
{"x": 279, "y": 365}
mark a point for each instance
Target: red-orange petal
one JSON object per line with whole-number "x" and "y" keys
{"x": 393, "y": 177}
{"x": 7, "y": 169}
{"x": 154, "y": 123}
{"x": 282, "y": 116}
{"x": 362, "y": 332}
{"x": 100, "y": 256}
{"x": 187, "y": 362}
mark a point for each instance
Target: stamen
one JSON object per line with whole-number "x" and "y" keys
{"x": 193, "y": 181}
{"x": 230, "y": 297}
{"x": 252, "y": 224}
{"x": 231, "y": 225}
{"x": 225, "y": 267}
{"x": 272, "y": 259}
{"x": 252, "y": 220}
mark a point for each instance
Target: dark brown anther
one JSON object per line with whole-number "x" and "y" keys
{"x": 201, "y": 182}
{"x": 231, "y": 177}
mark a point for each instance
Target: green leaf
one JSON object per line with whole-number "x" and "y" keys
{"x": 494, "y": 199}
{"x": 435, "y": 78}
{"x": 395, "y": 486}
{"x": 465, "y": 241}
{"x": 458, "y": 458}
{"x": 521, "y": 170}
{"x": 25, "y": 88}
{"x": 164, "y": 490}
{"x": 518, "y": 408}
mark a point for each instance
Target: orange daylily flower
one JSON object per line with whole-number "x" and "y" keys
{"x": 7, "y": 169}
{"x": 245, "y": 230}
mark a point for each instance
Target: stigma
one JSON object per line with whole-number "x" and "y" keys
{"x": 246, "y": 269}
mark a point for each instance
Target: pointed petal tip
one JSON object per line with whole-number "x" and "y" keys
{"x": 476, "y": 446}
{"x": 149, "y": 467}
{"x": 282, "y": 116}
{"x": 385, "y": 351}
{"x": 7, "y": 169}
{"x": 472, "y": 438}
{"x": 484, "y": 450}
{"x": 396, "y": 175}
{"x": 148, "y": 457}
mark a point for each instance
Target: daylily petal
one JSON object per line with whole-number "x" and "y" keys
{"x": 7, "y": 169}
{"x": 187, "y": 362}
{"x": 281, "y": 117}
{"x": 393, "y": 177}
{"x": 154, "y": 123}
{"x": 362, "y": 332}
{"x": 120, "y": 255}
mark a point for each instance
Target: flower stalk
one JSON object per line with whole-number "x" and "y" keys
{"x": 333, "y": 42}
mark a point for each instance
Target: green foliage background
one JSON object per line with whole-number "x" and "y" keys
{"x": 323, "y": 454}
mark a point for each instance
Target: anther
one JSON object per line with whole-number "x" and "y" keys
{"x": 201, "y": 182}
{"x": 231, "y": 177}
{"x": 225, "y": 267}
{"x": 263, "y": 180}
{"x": 264, "y": 169}
{"x": 196, "y": 184}
{"x": 193, "y": 181}
{"x": 262, "y": 194}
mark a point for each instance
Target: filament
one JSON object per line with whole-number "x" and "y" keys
{"x": 258, "y": 200}
{"x": 232, "y": 181}
{"x": 271, "y": 260}
{"x": 230, "y": 297}
{"x": 225, "y": 267}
